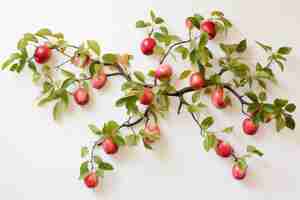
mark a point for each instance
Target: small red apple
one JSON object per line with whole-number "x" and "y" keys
{"x": 197, "y": 81}
{"x": 81, "y": 61}
{"x": 210, "y": 28}
{"x": 91, "y": 180}
{"x": 109, "y": 146}
{"x": 224, "y": 149}
{"x": 163, "y": 72}
{"x": 238, "y": 173}
{"x": 147, "y": 97}
{"x": 42, "y": 54}
{"x": 148, "y": 45}
{"x": 249, "y": 127}
{"x": 188, "y": 24}
{"x": 218, "y": 98}
{"x": 99, "y": 80}
{"x": 151, "y": 129}
{"x": 81, "y": 96}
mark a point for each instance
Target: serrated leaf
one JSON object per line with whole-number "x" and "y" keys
{"x": 94, "y": 46}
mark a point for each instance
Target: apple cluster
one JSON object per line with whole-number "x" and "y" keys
{"x": 146, "y": 97}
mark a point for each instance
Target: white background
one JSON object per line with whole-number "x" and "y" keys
{"x": 40, "y": 159}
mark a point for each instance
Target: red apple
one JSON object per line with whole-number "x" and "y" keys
{"x": 218, "y": 98}
{"x": 91, "y": 180}
{"x": 99, "y": 80}
{"x": 210, "y": 28}
{"x": 109, "y": 146}
{"x": 249, "y": 127}
{"x": 151, "y": 129}
{"x": 163, "y": 72}
{"x": 188, "y": 24}
{"x": 148, "y": 45}
{"x": 42, "y": 54}
{"x": 147, "y": 97}
{"x": 81, "y": 96}
{"x": 81, "y": 61}
{"x": 197, "y": 81}
{"x": 238, "y": 173}
{"x": 224, "y": 149}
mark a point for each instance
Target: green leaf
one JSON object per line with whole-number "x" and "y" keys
{"x": 280, "y": 123}
{"x": 254, "y": 150}
{"x": 30, "y": 37}
{"x": 268, "y": 108}
{"x": 280, "y": 102}
{"x": 290, "y": 122}
{"x": 158, "y": 20}
{"x": 228, "y": 129}
{"x": 209, "y": 141}
{"x": 141, "y": 24}
{"x": 10, "y": 60}
{"x": 241, "y": 162}
{"x": 185, "y": 74}
{"x": 67, "y": 73}
{"x": 217, "y": 13}
{"x": 203, "y": 40}
{"x": 265, "y": 47}
{"x": 262, "y": 96}
{"x": 196, "y": 96}
{"x": 109, "y": 58}
{"x": 84, "y": 151}
{"x": 57, "y": 110}
{"x": 132, "y": 140}
{"x": 95, "y": 129}
{"x": 43, "y": 32}
{"x": 84, "y": 169}
{"x": 110, "y": 127}
{"x": 242, "y": 46}
{"x": 183, "y": 51}
{"x": 193, "y": 108}
{"x": 207, "y": 122}
{"x": 290, "y": 107}
{"x": 252, "y": 96}
{"x": 140, "y": 76}
{"x": 119, "y": 140}
{"x": 94, "y": 46}
{"x": 22, "y": 44}
{"x": 105, "y": 166}
{"x": 152, "y": 15}
{"x": 284, "y": 50}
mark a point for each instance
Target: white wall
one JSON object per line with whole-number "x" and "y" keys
{"x": 40, "y": 159}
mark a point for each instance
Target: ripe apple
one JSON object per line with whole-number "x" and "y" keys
{"x": 109, "y": 146}
{"x": 148, "y": 45}
{"x": 218, "y": 98}
{"x": 42, "y": 54}
{"x": 224, "y": 149}
{"x": 197, "y": 81}
{"x": 238, "y": 173}
{"x": 210, "y": 28}
{"x": 249, "y": 127}
{"x": 163, "y": 72}
{"x": 81, "y": 96}
{"x": 151, "y": 130}
{"x": 99, "y": 80}
{"x": 147, "y": 97}
{"x": 91, "y": 180}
